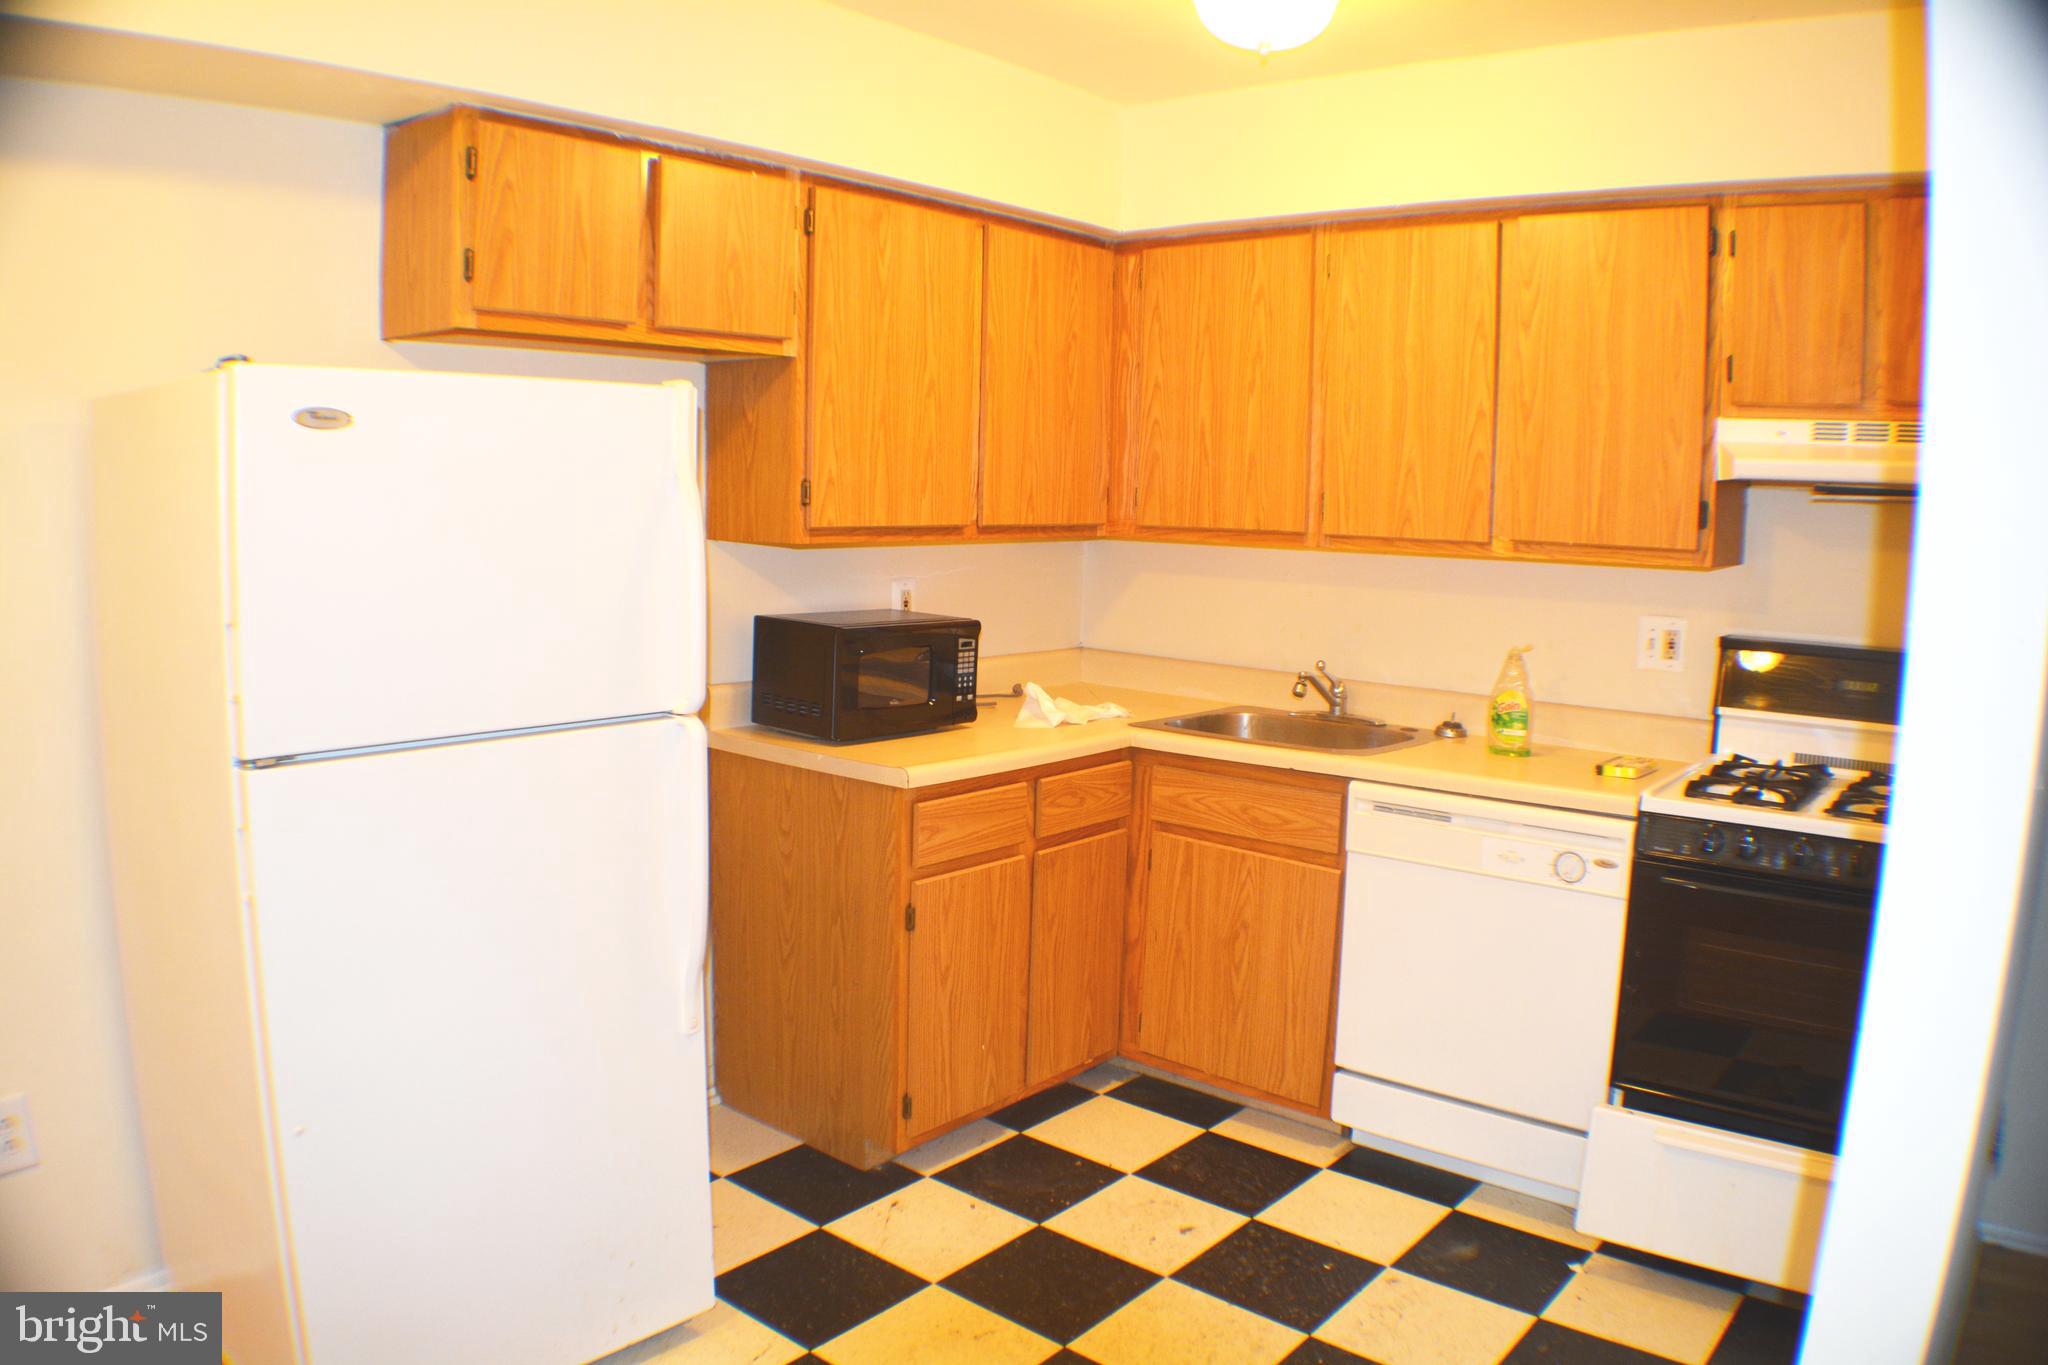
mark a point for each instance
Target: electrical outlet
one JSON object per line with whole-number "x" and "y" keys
{"x": 1660, "y": 643}
{"x": 17, "y": 1139}
{"x": 900, "y": 592}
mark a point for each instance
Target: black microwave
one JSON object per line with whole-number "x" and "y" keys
{"x": 852, "y": 675}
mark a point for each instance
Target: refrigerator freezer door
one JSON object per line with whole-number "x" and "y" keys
{"x": 466, "y": 553}
{"x": 478, "y": 965}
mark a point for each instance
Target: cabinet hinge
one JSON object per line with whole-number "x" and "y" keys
{"x": 468, "y": 265}
{"x": 469, "y": 163}
{"x": 810, "y": 220}
{"x": 1713, "y": 239}
{"x": 1731, "y": 244}
{"x": 910, "y": 918}
{"x": 1731, "y": 367}
{"x": 803, "y": 494}
{"x": 1703, "y": 514}
{"x": 906, "y": 1104}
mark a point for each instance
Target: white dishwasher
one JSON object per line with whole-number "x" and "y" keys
{"x": 1477, "y": 980}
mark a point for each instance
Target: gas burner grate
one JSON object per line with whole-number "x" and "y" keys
{"x": 1869, "y": 798}
{"x": 1744, "y": 781}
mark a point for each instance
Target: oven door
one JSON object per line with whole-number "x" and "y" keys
{"x": 1739, "y": 1000}
{"x": 897, "y": 683}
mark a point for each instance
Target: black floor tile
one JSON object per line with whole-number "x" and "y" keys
{"x": 1038, "y": 1108}
{"x": 816, "y": 1287}
{"x": 1554, "y": 1345}
{"x": 1682, "y": 1269}
{"x": 1030, "y": 1178}
{"x": 818, "y": 1187}
{"x": 1763, "y": 1333}
{"x": 1067, "y": 1355}
{"x": 1224, "y": 1171}
{"x": 1493, "y": 1261}
{"x": 1051, "y": 1284}
{"x": 1287, "y": 1278}
{"x": 1409, "y": 1177}
{"x": 1313, "y": 1352}
{"x": 1175, "y": 1101}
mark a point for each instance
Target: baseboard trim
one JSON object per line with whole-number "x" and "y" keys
{"x": 2014, "y": 1239}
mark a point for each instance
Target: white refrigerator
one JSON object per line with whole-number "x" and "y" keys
{"x": 407, "y": 825}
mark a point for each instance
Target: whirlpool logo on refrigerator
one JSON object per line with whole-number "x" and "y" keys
{"x": 165, "y": 1329}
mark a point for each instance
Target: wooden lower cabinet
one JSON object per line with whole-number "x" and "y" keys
{"x": 1078, "y": 894}
{"x": 1232, "y": 941}
{"x": 964, "y": 1038}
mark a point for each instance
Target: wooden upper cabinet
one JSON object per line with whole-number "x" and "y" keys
{"x": 1901, "y": 262}
{"x": 965, "y": 1015}
{"x": 1045, "y": 356}
{"x": 1603, "y": 378}
{"x": 725, "y": 248}
{"x": 1219, "y": 420}
{"x": 894, "y": 350}
{"x": 500, "y": 229}
{"x": 1406, "y": 324}
{"x": 1796, "y": 311}
{"x": 558, "y": 222}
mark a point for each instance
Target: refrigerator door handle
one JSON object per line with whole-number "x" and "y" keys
{"x": 693, "y": 909}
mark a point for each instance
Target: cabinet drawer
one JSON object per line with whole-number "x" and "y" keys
{"x": 1275, "y": 812}
{"x": 1092, "y": 796}
{"x": 976, "y": 822}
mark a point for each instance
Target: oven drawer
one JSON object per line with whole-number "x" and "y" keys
{"x": 1716, "y": 1199}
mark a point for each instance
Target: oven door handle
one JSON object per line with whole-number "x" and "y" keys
{"x": 1747, "y": 893}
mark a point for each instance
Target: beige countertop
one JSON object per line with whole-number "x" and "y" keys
{"x": 1553, "y": 775}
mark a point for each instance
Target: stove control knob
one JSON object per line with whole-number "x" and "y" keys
{"x": 1713, "y": 840}
{"x": 1569, "y": 867}
{"x": 1745, "y": 845}
{"x": 1801, "y": 853}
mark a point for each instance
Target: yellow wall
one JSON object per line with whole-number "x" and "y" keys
{"x": 1839, "y": 95}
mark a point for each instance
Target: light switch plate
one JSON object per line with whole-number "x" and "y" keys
{"x": 1660, "y": 643}
{"x": 901, "y": 590}
{"x": 17, "y": 1139}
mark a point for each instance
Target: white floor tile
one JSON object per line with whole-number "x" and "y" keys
{"x": 1357, "y": 1216}
{"x": 1667, "y": 1315}
{"x": 744, "y": 1225}
{"x": 737, "y": 1141}
{"x": 937, "y": 1327}
{"x": 1404, "y": 1320}
{"x": 1289, "y": 1137}
{"x": 930, "y": 1229}
{"x": 958, "y": 1145}
{"x": 1147, "y": 1224}
{"x": 1171, "y": 1324}
{"x": 1104, "y": 1077}
{"x": 721, "y": 1336}
{"x": 1114, "y": 1133}
{"x": 1526, "y": 1213}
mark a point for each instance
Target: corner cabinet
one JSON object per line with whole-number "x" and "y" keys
{"x": 504, "y": 230}
{"x": 888, "y": 964}
{"x": 1230, "y": 973}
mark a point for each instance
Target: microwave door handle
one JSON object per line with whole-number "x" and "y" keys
{"x": 1742, "y": 891}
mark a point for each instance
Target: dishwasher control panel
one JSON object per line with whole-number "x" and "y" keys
{"x": 1569, "y": 850}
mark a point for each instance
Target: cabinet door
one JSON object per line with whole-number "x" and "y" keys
{"x": 558, "y": 225}
{"x": 1602, "y": 428}
{"x": 1045, "y": 409}
{"x": 1795, "y": 320}
{"x": 1238, "y": 953}
{"x": 1901, "y": 297}
{"x": 1221, "y": 342}
{"x": 725, "y": 249}
{"x": 1078, "y": 892}
{"x": 1405, "y": 346}
{"x": 966, "y": 1016}
{"x": 895, "y": 363}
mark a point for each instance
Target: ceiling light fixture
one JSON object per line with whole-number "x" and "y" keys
{"x": 1265, "y": 26}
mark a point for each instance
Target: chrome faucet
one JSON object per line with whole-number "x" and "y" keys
{"x": 1333, "y": 693}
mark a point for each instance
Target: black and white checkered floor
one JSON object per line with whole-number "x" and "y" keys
{"x": 1122, "y": 1218}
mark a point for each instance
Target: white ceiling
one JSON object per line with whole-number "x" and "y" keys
{"x": 1138, "y": 51}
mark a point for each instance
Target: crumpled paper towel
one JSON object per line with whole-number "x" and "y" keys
{"x": 1042, "y": 710}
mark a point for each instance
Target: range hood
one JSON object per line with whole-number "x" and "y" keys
{"x": 1832, "y": 454}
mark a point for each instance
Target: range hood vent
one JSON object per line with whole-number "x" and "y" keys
{"x": 1828, "y": 450}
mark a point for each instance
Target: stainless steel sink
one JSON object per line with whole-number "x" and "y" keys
{"x": 1293, "y": 729}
